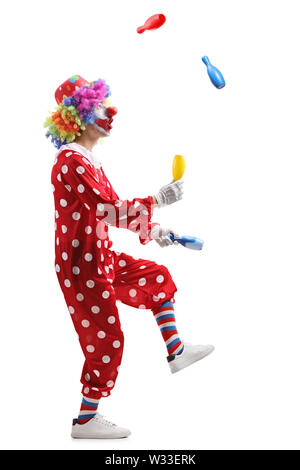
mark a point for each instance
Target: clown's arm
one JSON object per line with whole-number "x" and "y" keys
{"x": 134, "y": 215}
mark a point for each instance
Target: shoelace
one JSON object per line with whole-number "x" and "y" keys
{"x": 100, "y": 419}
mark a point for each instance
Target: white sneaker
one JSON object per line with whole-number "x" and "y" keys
{"x": 98, "y": 428}
{"x": 190, "y": 354}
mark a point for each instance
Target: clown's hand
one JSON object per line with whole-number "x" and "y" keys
{"x": 170, "y": 193}
{"x": 161, "y": 236}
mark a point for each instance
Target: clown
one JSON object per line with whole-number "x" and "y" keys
{"x": 91, "y": 275}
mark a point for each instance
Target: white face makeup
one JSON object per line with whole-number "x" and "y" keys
{"x": 104, "y": 120}
{"x": 101, "y": 111}
{"x": 102, "y": 123}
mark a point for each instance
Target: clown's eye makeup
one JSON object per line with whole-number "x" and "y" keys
{"x": 101, "y": 111}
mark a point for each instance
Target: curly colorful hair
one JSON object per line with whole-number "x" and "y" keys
{"x": 75, "y": 112}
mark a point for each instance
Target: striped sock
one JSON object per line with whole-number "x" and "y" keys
{"x": 165, "y": 318}
{"x": 88, "y": 409}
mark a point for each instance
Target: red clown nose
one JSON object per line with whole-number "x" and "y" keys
{"x": 111, "y": 111}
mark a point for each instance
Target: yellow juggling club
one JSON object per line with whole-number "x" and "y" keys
{"x": 178, "y": 167}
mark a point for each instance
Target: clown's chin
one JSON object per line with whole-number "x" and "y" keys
{"x": 103, "y": 132}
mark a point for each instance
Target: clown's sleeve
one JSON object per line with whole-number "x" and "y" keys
{"x": 134, "y": 215}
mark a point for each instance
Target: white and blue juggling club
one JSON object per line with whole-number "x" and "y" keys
{"x": 193, "y": 243}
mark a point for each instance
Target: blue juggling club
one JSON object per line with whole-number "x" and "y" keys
{"x": 214, "y": 74}
{"x": 193, "y": 243}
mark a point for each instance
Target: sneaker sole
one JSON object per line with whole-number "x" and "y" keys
{"x": 94, "y": 436}
{"x": 183, "y": 364}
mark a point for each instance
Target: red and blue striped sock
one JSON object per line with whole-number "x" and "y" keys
{"x": 165, "y": 319}
{"x": 88, "y": 409}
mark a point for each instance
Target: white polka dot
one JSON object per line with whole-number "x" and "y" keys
{"x": 63, "y": 202}
{"x": 75, "y": 243}
{"x": 76, "y": 215}
{"x": 101, "y": 334}
{"x": 67, "y": 283}
{"x": 80, "y": 170}
{"x": 116, "y": 344}
{"x": 132, "y": 292}
{"x": 156, "y": 299}
{"x": 57, "y": 241}
{"x": 105, "y": 294}
{"x": 85, "y": 323}
{"x": 90, "y": 284}
{"x": 111, "y": 319}
{"x": 87, "y": 377}
{"x": 71, "y": 310}
{"x": 105, "y": 244}
{"x": 64, "y": 256}
{"x": 64, "y": 229}
{"x": 95, "y": 309}
{"x": 106, "y": 359}
{"x": 96, "y": 372}
{"x": 96, "y": 191}
{"x": 90, "y": 348}
{"x": 100, "y": 207}
{"x": 64, "y": 169}
{"x": 102, "y": 257}
{"x": 96, "y": 389}
{"x": 53, "y": 187}
{"x": 59, "y": 177}
{"x": 88, "y": 257}
{"x": 160, "y": 279}
{"x": 88, "y": 229}
{"x": 79, "y": 297}
{"x": 69, "y": 154}
{"x": 55, "y": 225}
{"x": 142, "y": 306}
{"x": 80, "y": 188}
{"x": 68, "y": 187}
{"x": 86, "y": 390}
{"x": 104, "y": 394}
{"x": 56, "y": 214}
{"x": 161, "y": 295}
{"x": 142, "y": 267}
{"x": 99, "y": 243}
{"x": 87, "y": 206}
{"x": 142, "y": 281}
{"x": 110, "y": 383}
{"x": 57, "y": 268}
{"x": 76, "y": 270}
{"x": 99, "y": 271}
{"x": 122, "y": 263}
{"x": 106, "y": 269}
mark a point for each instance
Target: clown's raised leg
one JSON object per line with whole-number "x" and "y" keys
{"x": 180, "y": 355}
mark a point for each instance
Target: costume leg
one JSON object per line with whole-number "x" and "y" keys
{"x": 144, "y": 284}
{"x": 95, "y": 317}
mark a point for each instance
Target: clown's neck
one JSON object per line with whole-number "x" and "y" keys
{"x": 87, "y": 141}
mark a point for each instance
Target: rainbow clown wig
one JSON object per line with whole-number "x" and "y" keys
{"x": 77, "y": 101}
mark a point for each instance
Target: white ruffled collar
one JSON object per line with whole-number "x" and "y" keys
{"x": 84, "y": 151}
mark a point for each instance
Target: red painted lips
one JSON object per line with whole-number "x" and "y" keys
{"x": 106, "y": 124}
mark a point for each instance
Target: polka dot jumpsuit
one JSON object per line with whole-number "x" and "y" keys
{"x": 91, "y": 275}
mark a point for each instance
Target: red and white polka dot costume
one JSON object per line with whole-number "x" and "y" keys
{"x": 91, "y": 275}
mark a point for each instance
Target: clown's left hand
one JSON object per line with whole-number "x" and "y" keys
{"x": 161, "y": 236}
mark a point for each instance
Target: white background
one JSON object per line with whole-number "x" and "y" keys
{"x": 242, "y": 194}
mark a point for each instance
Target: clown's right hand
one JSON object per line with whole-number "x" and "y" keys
{"x": 161, "y": 236}
{"x": 170, "y": 193}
